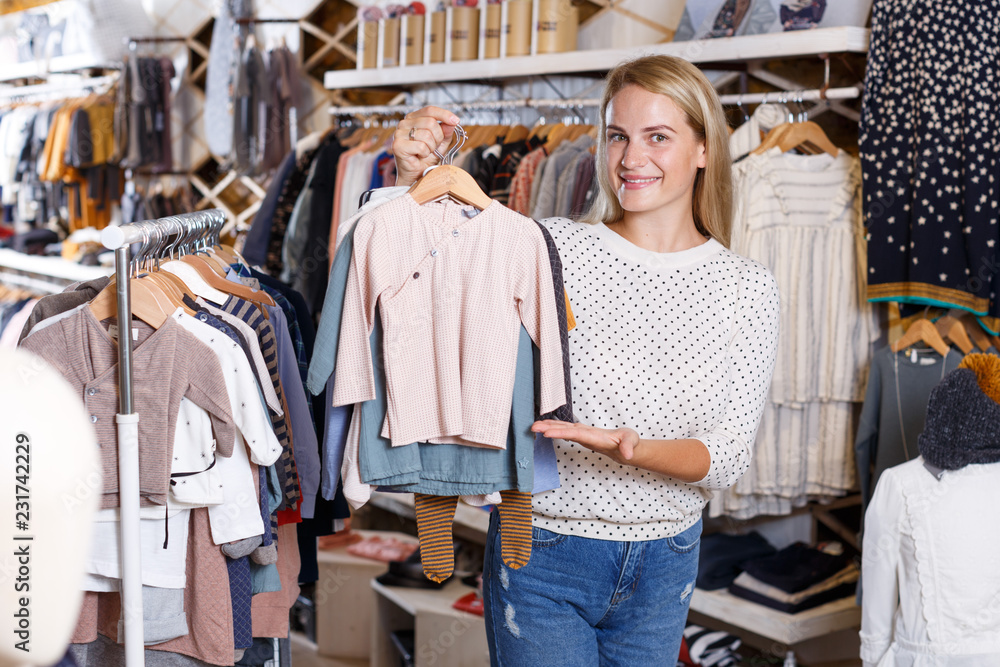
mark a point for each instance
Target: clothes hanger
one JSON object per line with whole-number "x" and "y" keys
{"x": 226, "y": 254}
{"x": 922, "y": 331}
{"x": 516, "y": 133}
{"x": 554, "y": 137}
{"x": 481, "y": 136}
{"x": 975, "y": 331}
{"x": 952, "y": 329}
{"x": 213, "y": 254}
{"x": 171, "y": 288}
{"x": 149, "y": 303}
{"x": 578, "y": 131}
{"x": 236, "y": 289}
{"x": 805, "y": 135}
{"x": 537, "y": 128}
{"x": 205, "y": 270}
{"x": 447, "y": 180}
{"x": 190, "y": 276}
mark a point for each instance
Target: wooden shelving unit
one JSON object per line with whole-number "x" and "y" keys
{"x": 55, "y": 272}
{"x": 797, "y": 44}
{"x": 57, "y": 65}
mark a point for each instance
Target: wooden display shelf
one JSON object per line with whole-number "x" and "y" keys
{"x": 345, "y": 604}
{"x": 56, "y": 65}
{"x": 443, "y": 635}
{"x": 775, "y": 625}
{"x": 795, "y": 44}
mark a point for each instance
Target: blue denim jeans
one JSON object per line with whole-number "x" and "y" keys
{"x": 583, "y": 602}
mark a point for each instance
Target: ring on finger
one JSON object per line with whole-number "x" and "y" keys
{"x": 411, "y": 133}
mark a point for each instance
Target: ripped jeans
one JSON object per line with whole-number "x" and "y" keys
{"x": 583, "y": 602}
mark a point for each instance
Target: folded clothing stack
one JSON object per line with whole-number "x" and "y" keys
{"x": 723, "y": 556}
{"x": 702, "y": 647}
{"x": 797, "y": 578}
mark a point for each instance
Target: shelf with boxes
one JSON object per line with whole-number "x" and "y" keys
{"x": 797, "y": 44}
{"x": 459, "y": 34}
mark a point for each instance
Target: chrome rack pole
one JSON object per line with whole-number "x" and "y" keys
{"x": 128, "y": 472}
{"x": 119, "y": 239}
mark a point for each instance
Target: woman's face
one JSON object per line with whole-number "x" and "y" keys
{"x": 653, "y": 154}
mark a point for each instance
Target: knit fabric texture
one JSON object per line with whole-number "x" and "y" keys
{"x": 963, "y": 421}
{"x": 987, "y": 369}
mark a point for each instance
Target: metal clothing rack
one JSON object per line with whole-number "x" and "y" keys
{"x": 815, "y": 95}
{"x": 133, "y": 42}
{"x": 153, "y": 235}
{"x": 251, "y": 21}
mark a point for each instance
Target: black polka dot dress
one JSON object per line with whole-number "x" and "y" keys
{"x": 674, "y": 345}
{"x": 929, "y": 147}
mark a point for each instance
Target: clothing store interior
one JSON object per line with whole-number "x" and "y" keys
{"x": 224, "y": 174}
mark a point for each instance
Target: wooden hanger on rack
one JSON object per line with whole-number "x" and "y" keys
{"x": 172, "y": 286}
{"x": 149, "y": 303}
{"x": 516, "y": 133}
{"x": 806, "y": 136}
{"x": 195, "y": 283}
{"x": 219, "y": 257}
{"x": 447, "y": 180}
{"x": 555, "y": 136}
{"x": 922, "y": 331}
{"x": 14, "y": 293}
{"x": 538, "y": 129}
{"x": 204, "y": 260}
{"x": 951, "y": 329}
{"x": 208, "y": 274}
{"x": 975, "y": 331}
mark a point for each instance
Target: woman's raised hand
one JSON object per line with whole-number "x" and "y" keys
{"x": 416, "y": 138}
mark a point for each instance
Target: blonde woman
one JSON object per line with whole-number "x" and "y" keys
{"x": 670, "y": 360}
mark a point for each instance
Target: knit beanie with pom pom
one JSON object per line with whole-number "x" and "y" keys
{"x": 963, "y": 415}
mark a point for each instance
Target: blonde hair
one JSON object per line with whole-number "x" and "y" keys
{"x": 693, "y": 94}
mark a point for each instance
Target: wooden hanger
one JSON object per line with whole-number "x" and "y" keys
{"x": 194, "y": 282}
{"x": 195, "y": 258}
{"x": 580, "y": 130}
{"x": 975, "y": 331}
{"x": 222, "y": 253}
{"x": 555, "y": 137}
{"x": 807, "y": 136}
{"x": 149, "y": 303}
{"x": 516, "y": 133}
{"x": 172, "y": 286}
{"x": 217, "y": 260}
{"x": 447, "y": 180}
{"x": 922, "y": 331}
{"x": 223, "y": 285}
{"x": 953, "y": 330}
{"x": 228, "y": 251}
{"x": 472, "y": 134}
{"x": 537, "y": 130}
{"x": 478, "y": 136}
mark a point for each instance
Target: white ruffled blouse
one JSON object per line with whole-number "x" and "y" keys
{"x": 931, "y": 568}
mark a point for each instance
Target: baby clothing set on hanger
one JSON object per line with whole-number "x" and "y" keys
{"x": 459, "y": 295}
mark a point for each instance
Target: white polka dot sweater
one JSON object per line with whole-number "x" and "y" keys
{"x": 673, "y": 345}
